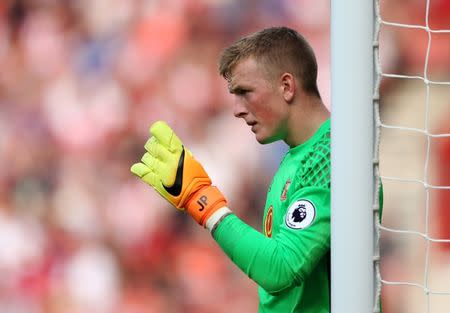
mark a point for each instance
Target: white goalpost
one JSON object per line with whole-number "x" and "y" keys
{"x": 352, "y": 174}
{"x": 387, "y": 137}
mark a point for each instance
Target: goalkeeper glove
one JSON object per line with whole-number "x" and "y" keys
{"x": 174, "y": 173}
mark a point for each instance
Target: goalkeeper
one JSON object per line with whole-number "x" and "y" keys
{"x": 272, "y": 75}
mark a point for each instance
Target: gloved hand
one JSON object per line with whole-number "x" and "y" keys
{"x": 174, "y": 173}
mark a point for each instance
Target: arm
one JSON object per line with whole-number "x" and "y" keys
{"x": 274, "y": 264}
{"x": 287, "y": 258}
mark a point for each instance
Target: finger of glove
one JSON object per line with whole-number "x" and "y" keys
{"x": 164, "y": 155}
{"x": 159, "y": 151}
{"x": 165, "y": 135}
{"x": 152, "y": 147}
{"x": 149, "y": 160}
{"x": 153, "y": 179}
{"x": 140, "y": 169}
{"x": 158, "y": 168}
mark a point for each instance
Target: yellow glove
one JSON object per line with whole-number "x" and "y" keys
{"x": 174, "y": 173}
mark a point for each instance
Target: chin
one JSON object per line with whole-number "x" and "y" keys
{"x": 264, "y": 140}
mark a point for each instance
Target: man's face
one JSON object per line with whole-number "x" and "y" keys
{"x": 258, "y": 100}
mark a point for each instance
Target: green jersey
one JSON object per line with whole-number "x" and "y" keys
{"x": 290, "y": 261}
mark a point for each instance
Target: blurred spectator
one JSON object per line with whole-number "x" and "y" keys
{"x": 80, "y": 83}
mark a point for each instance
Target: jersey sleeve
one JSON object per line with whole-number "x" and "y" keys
{"x": 286, "y": 259}
{"x": 303, "y": 238}
{"x": 305, "y": 230}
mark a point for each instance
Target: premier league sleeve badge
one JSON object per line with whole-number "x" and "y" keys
{"x": 300, "y": 214}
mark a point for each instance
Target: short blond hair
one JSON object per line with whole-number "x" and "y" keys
{"x": 279, "y": 50}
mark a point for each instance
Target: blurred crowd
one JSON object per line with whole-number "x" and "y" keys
{"x": 80, "y": 83}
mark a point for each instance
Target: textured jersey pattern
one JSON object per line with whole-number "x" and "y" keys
{"x": 315, "y": 168}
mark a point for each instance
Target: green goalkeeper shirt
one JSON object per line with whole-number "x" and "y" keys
{"x": 290, "y": 261}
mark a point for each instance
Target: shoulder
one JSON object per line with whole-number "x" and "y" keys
{"x": 314, "y": 168}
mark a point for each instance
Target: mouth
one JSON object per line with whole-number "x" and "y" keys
{"x": 252, "y": 125}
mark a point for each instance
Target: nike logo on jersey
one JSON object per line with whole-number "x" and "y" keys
{"x": 175, "y": 189}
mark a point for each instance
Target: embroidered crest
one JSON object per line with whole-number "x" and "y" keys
{"x": 300, "y": 214}
{"x": 285, "y": 190}
{"x": 268, "y": 222}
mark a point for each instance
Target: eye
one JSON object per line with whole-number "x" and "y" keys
{"x": 241, "y": 92}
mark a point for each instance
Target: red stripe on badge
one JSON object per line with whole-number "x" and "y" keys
{"x": 268, "y": 222}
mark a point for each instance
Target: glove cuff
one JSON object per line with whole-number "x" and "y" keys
{"x": 202, "y": 204}
{"x": 217, "y": 217}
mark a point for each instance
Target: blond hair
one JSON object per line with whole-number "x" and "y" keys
{"x": 279, "y": 50}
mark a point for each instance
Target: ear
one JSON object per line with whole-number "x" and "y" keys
{"x": 287, "y": 86}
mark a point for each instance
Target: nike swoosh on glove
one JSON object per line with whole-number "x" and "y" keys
{"x": 173, "y": 172}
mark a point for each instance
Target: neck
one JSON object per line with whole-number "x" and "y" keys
{"x": 305, "y": 119}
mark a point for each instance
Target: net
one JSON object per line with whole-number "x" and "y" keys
{"x": 411, "y": 136}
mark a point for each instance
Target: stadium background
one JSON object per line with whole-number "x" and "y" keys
{"x": 81, "y": 81}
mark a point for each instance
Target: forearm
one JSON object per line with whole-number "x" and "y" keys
{"x": 263, "y": 259}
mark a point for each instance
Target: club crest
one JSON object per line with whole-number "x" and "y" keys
{"x": 300, "y": 214}
{"x": 285, "y": 190}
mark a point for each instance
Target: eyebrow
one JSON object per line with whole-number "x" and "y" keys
{"x": 234, "y": 89}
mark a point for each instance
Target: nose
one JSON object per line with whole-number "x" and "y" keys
{"x": 239, "y": 108}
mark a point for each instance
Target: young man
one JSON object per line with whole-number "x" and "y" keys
{"x": 272, "y": 75}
